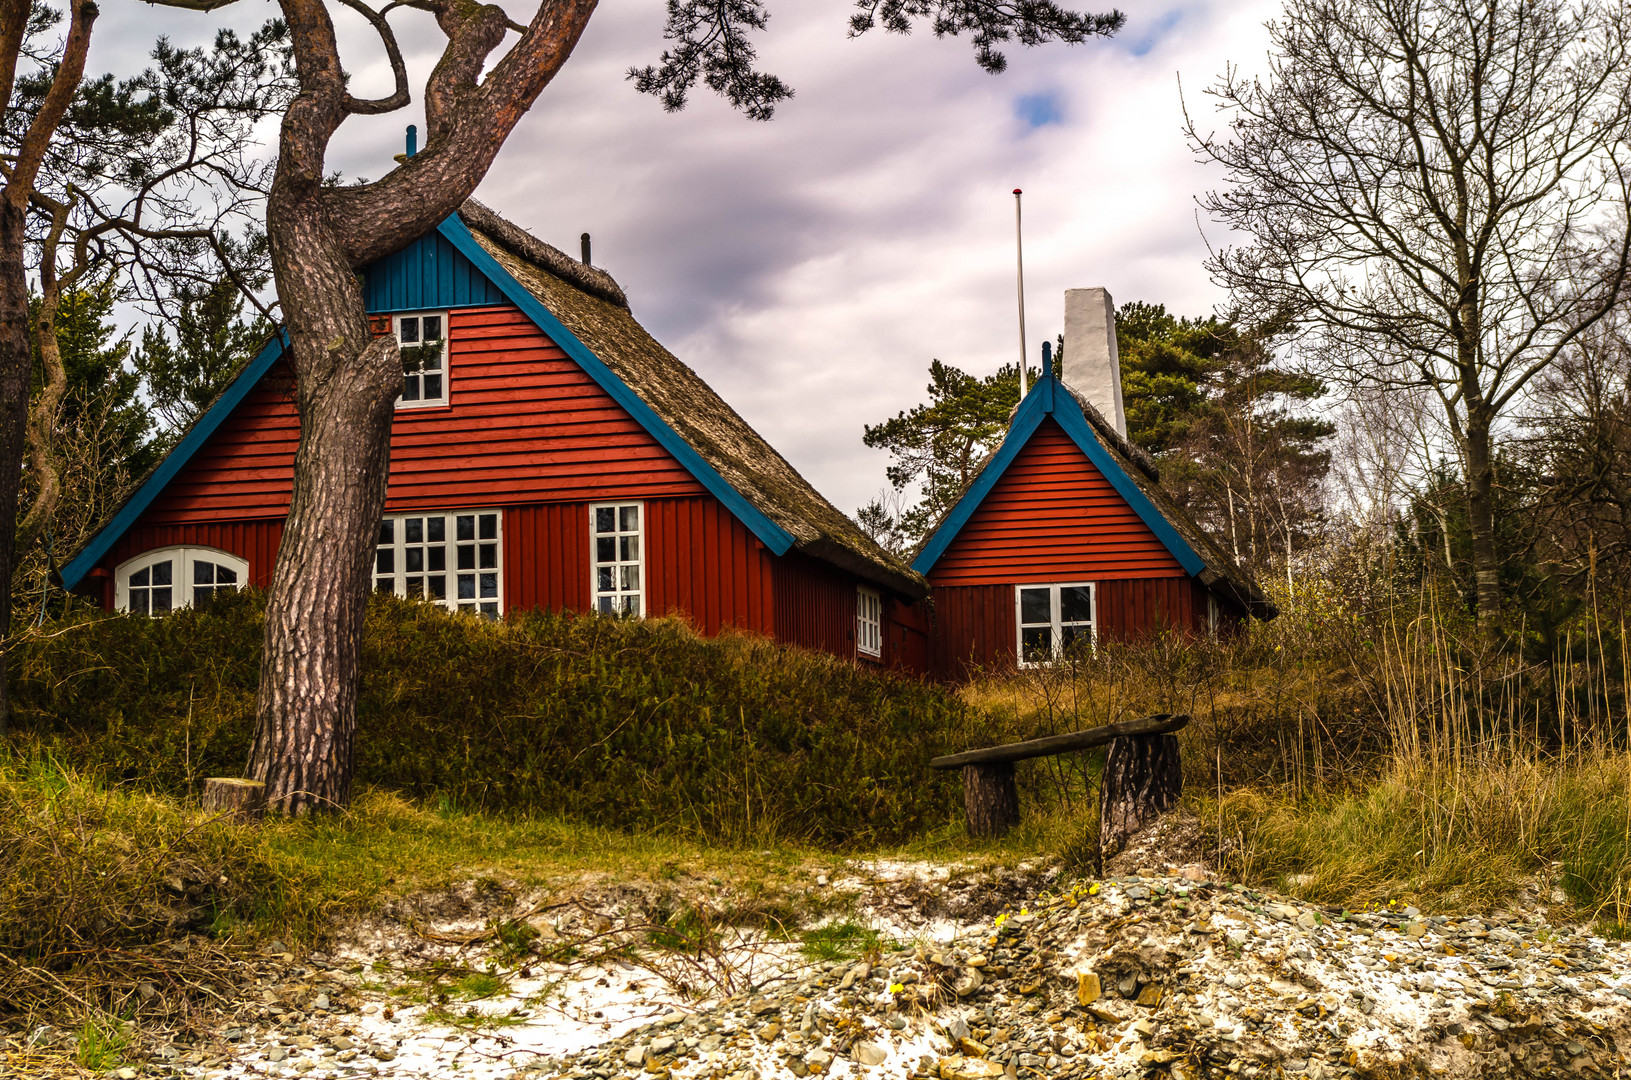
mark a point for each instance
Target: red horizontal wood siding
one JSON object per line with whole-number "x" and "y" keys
{"x": 524, "y": 424}
{"x": 1052, "y": 517}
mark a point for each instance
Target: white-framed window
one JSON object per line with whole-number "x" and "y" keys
{"x": 452, "y": 558}
{"x": 1211, "y": 616}
{"x": 155, "y": 582}
{"x": 422, "y": 338}
{"x": 868, "y": 622}
{"x": 618, "y": 558}
{"x": 1052, "y": 619}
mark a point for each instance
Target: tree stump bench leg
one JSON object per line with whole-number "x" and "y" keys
{"x": 1142, "y": 778}
{"x": 990, "y": 799}
{"x": 243, "y": 800}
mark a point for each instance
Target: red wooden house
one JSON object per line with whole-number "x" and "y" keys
{"x": 546, "y": 452}
{"x": 1066, "y": 534}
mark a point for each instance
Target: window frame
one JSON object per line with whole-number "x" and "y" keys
{"x": 184, "y": 556}
{"x": 595, "y": 563}
{"x": 863, "y": 593}
{"x": 400, "y": 573}
{"x": 423, "y": 402}
{"x": 1056, "y": 624}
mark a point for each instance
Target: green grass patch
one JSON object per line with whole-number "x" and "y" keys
{"x": 845, "y": 940}
{"x": 480, "y": 984}
{"x": 100, "y": 1043}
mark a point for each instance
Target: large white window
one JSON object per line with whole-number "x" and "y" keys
{"x": 453, "y": 559}
{"x": 155, "y": 582}
{"x": 868, "y": 622}
{"x": 1052, "y": 620}
{"x": 423, "y": 340}
{"x": 619, "y": 561}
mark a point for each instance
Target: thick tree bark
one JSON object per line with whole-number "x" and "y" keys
{"x": 1142, "y": 778}
{"x": 990, "y": 799}
{"x": 16, "y": 361}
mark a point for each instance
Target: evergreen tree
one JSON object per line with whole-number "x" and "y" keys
{"x": 938, "y": 447}
{"x": 1168, "y": 366}
{"x": 212, "y": 340}
{"x": 100, "y": 383}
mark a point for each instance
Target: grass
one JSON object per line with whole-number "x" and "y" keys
{"x": 100, "y": 1043}
{"x": 845, "y": 940}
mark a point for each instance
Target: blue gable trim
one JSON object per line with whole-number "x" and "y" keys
{"x": 196, "y": 436}
{"x": 773, "y": 536}
{"x": 1041, "y": 402}
{"x": 428, "y": 273}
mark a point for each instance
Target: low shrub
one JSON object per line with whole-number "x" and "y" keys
{"x": 618, "y": 722}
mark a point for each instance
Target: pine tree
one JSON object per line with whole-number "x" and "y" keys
{"x": 212, "y": 340}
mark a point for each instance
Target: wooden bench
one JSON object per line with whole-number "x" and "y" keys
{"x": 1142, "y": 776}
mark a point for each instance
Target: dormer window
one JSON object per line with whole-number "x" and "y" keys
{"x": 423, "y": 341}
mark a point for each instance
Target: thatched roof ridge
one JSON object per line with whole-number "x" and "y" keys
{"x": 518, "y": 241}
{"x": 699, "y": 415}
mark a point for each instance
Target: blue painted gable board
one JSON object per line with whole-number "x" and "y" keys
{"x": 429, "y": 273}
{"x": 196, "y": 436}
{"x": 1043, "y": 401}
{"x": 773, "y": 536}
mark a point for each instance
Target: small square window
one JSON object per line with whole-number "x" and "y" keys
{"x": 423, "y": 342}
{"x": 1053, "y": 620}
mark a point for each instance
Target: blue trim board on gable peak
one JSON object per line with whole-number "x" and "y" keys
{"x": 196, "y": 436}
{"x": 1041, "y": 402}
{"x": 773, "y": 536}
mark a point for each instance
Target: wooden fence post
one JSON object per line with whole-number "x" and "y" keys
{"x": 990, "y": 798}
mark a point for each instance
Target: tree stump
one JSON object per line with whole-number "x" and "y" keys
{"x": 990, "y": 798}
{"x": 242, "y": 800}
{"x": 1142, "y": 778}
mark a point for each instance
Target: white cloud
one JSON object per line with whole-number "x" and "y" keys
{"x": 810, "y": 268}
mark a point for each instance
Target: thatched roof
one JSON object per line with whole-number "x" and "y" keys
{"x": 591, "y": 305}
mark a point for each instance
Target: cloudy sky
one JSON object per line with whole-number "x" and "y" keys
{"x": 810, "y": 268}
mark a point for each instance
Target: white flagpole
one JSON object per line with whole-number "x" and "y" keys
{"x": 1019, "y": 247}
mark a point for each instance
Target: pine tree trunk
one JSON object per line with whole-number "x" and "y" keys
{"x": 990, "y": 799}
{"x": 1486, "y": 558}
{"x": 1142, "y": 778}
{"x": 347, "y": 384}
{"x": 16, "y": 363}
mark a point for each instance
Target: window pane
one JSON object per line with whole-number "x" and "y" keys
{"x": 1034, "y": 606}
{"x": 415, "y": 559}
{"x": 410, "y": 388}
{"x": 630, "y": 518}
{"x": 203, "y": 572}
{"x": 201, "y": 595}
{"x": 387, "y": 531}
{"x": 490, "y": 610}
{"x": 161, "y": 574}
{"x": 224, "y": 576}
{"x": 413, "y": 530}
{"x": 385, "y": 561}
{"x": 384, "y": 584}
{"x": 467, "y": 556}
{"x": 1076, "y": 603}
{"x": 436, "y": 529}
{"x": 438, "y": 587}
{"x": 631, "y": 605}
{"x": 433, "y": 387}
{"x": 139, "y": 578}
{"x": 409, "y": 326}
{"x": 1071, "y": 636}
{"x": 628, "y": 548}
{"x": 606, "y": 603}
{"x": 438, "y": 558}
{"x": 629, "y": 578}
{"x": 138, "y": 601}
{"x": 467, "y": 586}
{"x": 1037, "y": 642}
{"x": 433, "y": 327}
{"x": 605, "y": 519}
{"x": 603, "y": 579}
{"x": 605, "y": 548}
{"x": 489, "y": 585}
{"x": 489, "y": 556}
{"x": 489, "y": 526}
{"x": 161, "y": 601}
{"x": 415, "y": 586}
{"x": 468, "y": 608}
{"x": 465, "y": 524}
{"x": 431, "y": 361}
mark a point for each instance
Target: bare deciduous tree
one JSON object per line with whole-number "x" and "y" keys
{"x": 1438, "y": 189}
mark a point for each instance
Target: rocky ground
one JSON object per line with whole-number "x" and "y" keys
{"x": 976, "y": 976}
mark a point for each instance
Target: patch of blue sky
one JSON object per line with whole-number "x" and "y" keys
{"x": 1141, "y": 38}
{"x": 1039, "y": 110}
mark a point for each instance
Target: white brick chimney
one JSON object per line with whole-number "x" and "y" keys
{"x": 1092, "y": 367}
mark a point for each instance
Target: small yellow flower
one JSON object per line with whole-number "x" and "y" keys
{"x": 1093, "y": 889}
{"x": 1024, "y": 911}
{"x": 1002, "y": 918}
{"x": 896, "y": 988}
